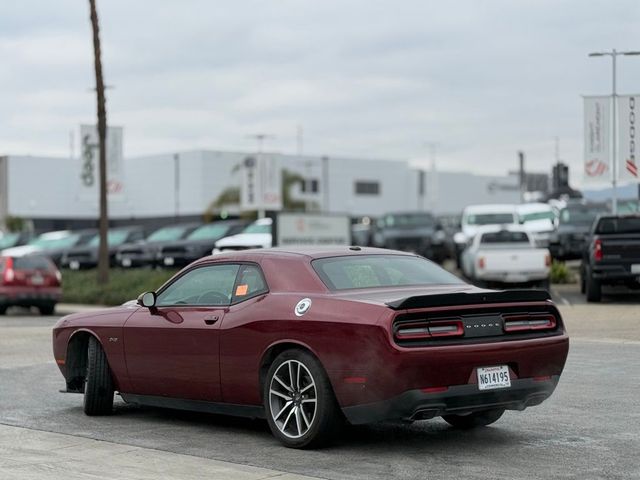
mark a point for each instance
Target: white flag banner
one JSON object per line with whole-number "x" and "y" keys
{"x": 627, "y": 163}
{"x": 597, "y": 133}
{"x": 89, "y": 162}
{"x": 261, "y": 187}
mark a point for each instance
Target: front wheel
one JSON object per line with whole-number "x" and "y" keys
{"x": 98, "y": 388}
{"x": 299, "y": 403}
{"x": 475, "y": 419}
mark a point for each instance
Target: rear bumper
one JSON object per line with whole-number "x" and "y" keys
{"x": 30, "y": 296}
{"x": 458, "y": 399}
{"x": 614, "y": 273}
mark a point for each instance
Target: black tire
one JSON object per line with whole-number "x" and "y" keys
{"x": 327, "y": 418}
{"x": 475, "y": 419}
{"x": 98, "y": 388}
{"x": 3, "y": 309}
{"x": 47, "y": 309}
{"x": 593, "y": 289}
{"x": 583, "y": 283}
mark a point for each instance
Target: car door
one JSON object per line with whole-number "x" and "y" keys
{"x": 172, "y": 349}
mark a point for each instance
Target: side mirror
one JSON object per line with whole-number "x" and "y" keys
{"x": 147, "y": 299}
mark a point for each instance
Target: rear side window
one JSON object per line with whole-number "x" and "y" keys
{"x": 370, "y": 271}
{"x": 619, "y": 225}
{"x": 249, "y": 284}
{"x": 31, "y": 262}
{"x": 504, "y": 237}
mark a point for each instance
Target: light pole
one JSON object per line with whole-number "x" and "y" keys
{"x": 614, "y": 171}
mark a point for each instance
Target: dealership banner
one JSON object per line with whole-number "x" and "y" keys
{"x": 597, "y": 143}
{"x": 628, "y": 106}
{"x": 261, "y": 187}
{"x": 89, "y": 162}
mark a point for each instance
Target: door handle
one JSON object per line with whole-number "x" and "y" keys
{"x": 211, "y": 319}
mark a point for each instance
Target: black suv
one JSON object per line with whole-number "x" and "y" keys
{"x": 574, "y": 222}
{"x": 197, "y": 244}
{"x": 86, "y": 256}
{"x": 612, "y": 255}
{"x": 417, "y": 232}
{"x": 144, "y": 252}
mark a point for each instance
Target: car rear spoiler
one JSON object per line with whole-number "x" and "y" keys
{"x": 460, "y": 298}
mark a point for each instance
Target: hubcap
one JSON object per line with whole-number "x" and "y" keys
{"x": 293, "y": 399}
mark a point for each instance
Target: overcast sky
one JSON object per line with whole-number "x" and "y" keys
{"x": 364, "y": 78}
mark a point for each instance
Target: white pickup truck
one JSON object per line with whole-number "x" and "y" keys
{"x": 506, "y": 256}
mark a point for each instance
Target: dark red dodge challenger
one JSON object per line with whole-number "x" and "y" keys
{"x": 308, "y": 338}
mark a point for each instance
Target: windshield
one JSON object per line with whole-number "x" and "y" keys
{"x": 257, "y": 228}
{"x": 533, "y": 216}
{"x": 32, "y": 262}
{"x": 46, "y": 242}
{"x": 167, "y": 234}
{"x": 490, "y": 218}
{"x": 579, "y": 216}
{"x": 504, "y": 236}
{"x": 367, "y": 271}
{"x": 9, "y": 240}
{"x": 114, "y": 237}
{"x": 213, "y": 231}
{"x": 408, "y": 220}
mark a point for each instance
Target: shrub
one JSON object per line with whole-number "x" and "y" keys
{"x": 82, "y": 286}
{"x": 560, "y": 273}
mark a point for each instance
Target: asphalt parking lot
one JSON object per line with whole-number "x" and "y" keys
{"x": 589, "y": 429}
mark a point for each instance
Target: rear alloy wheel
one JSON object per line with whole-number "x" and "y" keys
{"x": 300, "y": 405}
{"x": 475, "y": 419}
{"x": 98, "y": 388}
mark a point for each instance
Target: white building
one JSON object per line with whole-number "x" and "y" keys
{"x": 158, "y": 188}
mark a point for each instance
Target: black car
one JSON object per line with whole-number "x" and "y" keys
{"x": 574, "y": 222}
{"x": 612, "y": 255}
{"x": 86, "y": 256}
{"x": 197, "y": 244}
{"x": 144, "y": 253}
{"x": 417, "y": 232}
{"x": 55, "y": 244}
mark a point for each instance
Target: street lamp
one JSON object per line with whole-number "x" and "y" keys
{"x": 613, "y": 54}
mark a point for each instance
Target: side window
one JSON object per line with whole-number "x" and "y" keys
{"x": 210, "y": 285}
{"x": 250, "y": 283}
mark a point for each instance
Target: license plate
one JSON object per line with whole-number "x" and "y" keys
{"x": 515, "y": 278}
{"x": 126, "y": 262}
{"x": 168, "y": 261}
{"x": 74, "y": 265}
{"x": 493, "y": 377}
{"x": 635, "y": 268}
{"x": 37, "y": 280}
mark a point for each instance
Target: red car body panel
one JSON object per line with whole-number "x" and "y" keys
{"x": 215, "y": 354}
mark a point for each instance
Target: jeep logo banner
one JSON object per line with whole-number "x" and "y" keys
{"x": 628, "y": 106}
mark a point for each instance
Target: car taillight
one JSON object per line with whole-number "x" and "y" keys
{"x": 519, "y": 323}
{"x": 9, "y": 274}
{"x": 547, "y": 260}
{"x": 425, "y": 329}
{"x": 597, "y": 250}
{"x": 481, "y": 262}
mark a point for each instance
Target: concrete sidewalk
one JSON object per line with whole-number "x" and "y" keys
{"x": 27, "y": 454}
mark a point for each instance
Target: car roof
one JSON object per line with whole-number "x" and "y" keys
{"x": 491, "y": 208}
{"x": 534, "y": 207}
{"x": 306, "y": 251}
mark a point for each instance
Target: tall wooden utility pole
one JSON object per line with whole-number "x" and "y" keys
{"x": 103, "y": 252}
